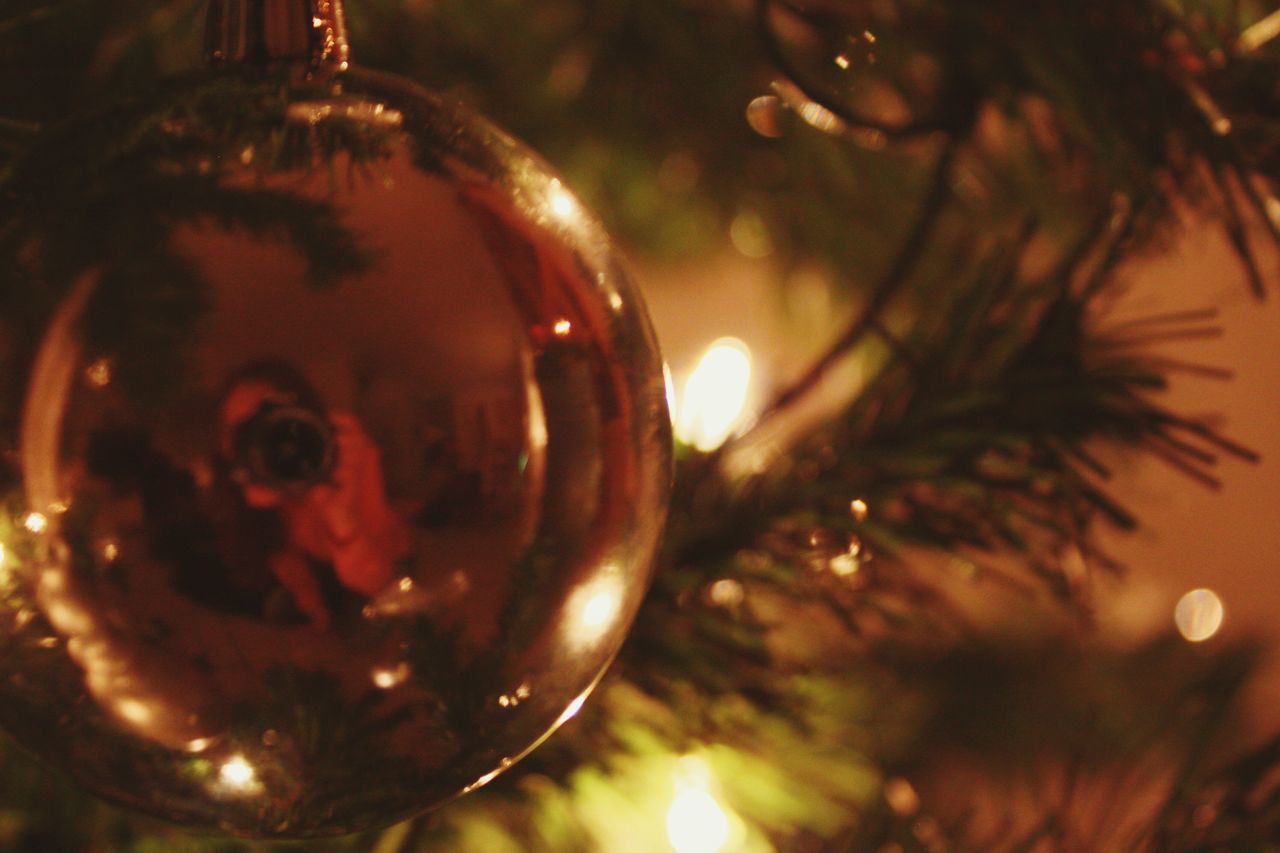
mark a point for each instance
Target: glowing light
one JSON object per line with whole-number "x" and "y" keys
{"x": 135, "y": 711}
{"x": 670, "y": 386}
{"x": 68, "y": 617}
{"x": 844, "y": 565}
{"x": 1198, "y": 615}
{"x": 110, "y": 551}
{"x": 521, "y": 693}
{"x": 858, "y": 509}
{"x": 1259, "y": 33}
{"x": 199, "y": 744}
{"x": 842, "y": 62}
{"x": 727, "y": 592}
{"x": 405, "y": 584}
{"x": 98, "y": 374}
{"x": 901, "y": 796}
{"x": 715, "y": 395}
{"x": 574, "y": 707}
{"x": 593, "y": 609}
{"x": 750, "y": 235}
{"x": 391, "y": 676}
{"x": 562, "y": 328}
{"x": 562, "y": 201}
{"x": 820, "y": 118}
{"x": 237, "y": 774}
{"x": 36, "y": 522}
{"x": 696, "y": 822}
{"x": 600, "y": 610}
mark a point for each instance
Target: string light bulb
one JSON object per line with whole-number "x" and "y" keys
{"x": 715, "y": 395}
{"x": 696, "y": 821}
{"x": 1198, "y": 615}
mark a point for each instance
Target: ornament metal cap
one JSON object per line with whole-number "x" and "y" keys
{"x": 308, "y": 34}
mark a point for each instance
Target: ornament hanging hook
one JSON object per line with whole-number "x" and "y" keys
{"x": 307, "y": 34}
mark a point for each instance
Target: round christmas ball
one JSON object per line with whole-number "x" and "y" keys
{"x": 337, "y": 450}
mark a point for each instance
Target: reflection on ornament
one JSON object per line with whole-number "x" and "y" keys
{"x": 366, "y": 420}
{"x": 844, "y": 565}
{"x": 98, "y": 374}
{"x": 562, "y": 202}
{"x": 593, "y": 609}
{"x": 715, "y": 395}
{"x": 765, "y": 115}
{"x": 573, "y": 708}
{"x": 696, "y": 821}
{"x": 391, "y": 676}
{"x": 238, "y": 776}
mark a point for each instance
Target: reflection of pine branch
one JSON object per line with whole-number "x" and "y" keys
{"x": 110, "y": 194}
{"x": 328, "y": 744}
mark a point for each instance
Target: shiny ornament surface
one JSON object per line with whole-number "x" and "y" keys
{"x": 341, "y": 459}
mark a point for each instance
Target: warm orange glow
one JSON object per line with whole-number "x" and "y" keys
{"x": 696, "y": 821}
{"x": 238, "y": 775}
{"x": 98, "y": 374}
{"x": 387, "y": 677}
{"x": 715, "y": 395}
{"x": 562, "y": 201}
{"x": 593, "y": 609}
{"x": 1198, "y": 615}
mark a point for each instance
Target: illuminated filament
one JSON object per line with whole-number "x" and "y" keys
{"x": 237, "y": 774}
{"x": 696, "y": 822}
{"x": 715, "y": 395}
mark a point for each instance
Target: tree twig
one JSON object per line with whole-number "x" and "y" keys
{"x": 904, "y": 263}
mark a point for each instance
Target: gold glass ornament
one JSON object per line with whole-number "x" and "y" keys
{"x": 342, "y": 452}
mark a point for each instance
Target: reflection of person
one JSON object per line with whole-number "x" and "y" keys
{"x": 322, "y": 474}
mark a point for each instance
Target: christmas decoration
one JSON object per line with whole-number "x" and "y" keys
{"x": 944, "y": 285}
{"x": 343, "y": 451}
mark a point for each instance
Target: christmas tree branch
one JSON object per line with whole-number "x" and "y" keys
{"x": 868, "y": 320}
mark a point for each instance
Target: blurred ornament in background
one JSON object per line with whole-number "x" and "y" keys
{"x": 345, "y": 448}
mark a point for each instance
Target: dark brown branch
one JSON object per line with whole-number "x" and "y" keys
{"x": 904, "y": 263}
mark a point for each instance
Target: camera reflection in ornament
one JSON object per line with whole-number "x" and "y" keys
{"x": 320, "y": 474}
{"x": 352, "y": 450}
